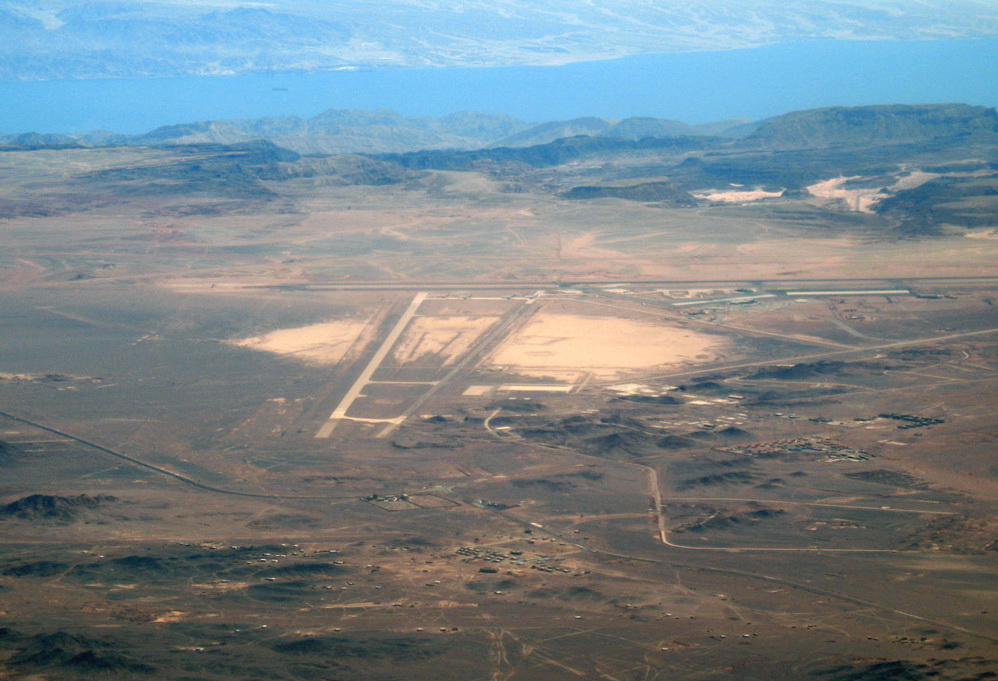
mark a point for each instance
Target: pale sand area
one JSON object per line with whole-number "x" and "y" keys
{"x": 862, "y": 199}
{"x": 322, "y": 344}
{"x": 857, "y": 199}
{"x": 446, "y": 337}
{"x": 606, "y": 347}
{"x": 989, "y": 234}
{"x": 555, "y": 374}
{"x": 736, "y": 195}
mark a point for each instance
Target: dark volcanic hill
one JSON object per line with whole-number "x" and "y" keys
{"x": 46, "y": 507}
{"x": 664, "y": 192}
{"x": 75, "y": 655}
{"x": 546, "y": 155}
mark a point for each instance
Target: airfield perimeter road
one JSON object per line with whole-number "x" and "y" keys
{"x": 475, "y": 285}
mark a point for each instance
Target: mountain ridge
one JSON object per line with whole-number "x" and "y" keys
{"x": 880, "y": 123}
{"x": 339, "y": 131}
{"x": 463, "y": 138}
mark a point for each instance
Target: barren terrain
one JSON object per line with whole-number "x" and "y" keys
{"x": 606, "y": 346}
{"x": 453, "y": 428}
{"x": 323, "y": 343}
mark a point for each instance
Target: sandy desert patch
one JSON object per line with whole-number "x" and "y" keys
{"x": 857, "y": 199}
{"x": 325, "y": 343}
{"x": 736, "y": 195}
{"x": 863, "y": 199}
{"x": 446, "y": 337}
{"x": 554, "y": 374}
{"x": 989, "y": 234}
{"x": 605, "y": 347}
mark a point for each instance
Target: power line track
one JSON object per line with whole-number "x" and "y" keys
{"x": 162, "y": 471}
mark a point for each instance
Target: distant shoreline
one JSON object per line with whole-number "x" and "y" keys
{"x": 693, "y": 87}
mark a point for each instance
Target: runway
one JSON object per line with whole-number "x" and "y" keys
{"x": 354, "y": 392}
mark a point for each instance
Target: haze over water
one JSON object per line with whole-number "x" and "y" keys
{"x": 693, "y": 87}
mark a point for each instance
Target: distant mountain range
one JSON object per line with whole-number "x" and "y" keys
{"x": 809, "y": 143}
{"x": 341, "y": 131}
{"x": 387, "y": 132}
{"x": 65, "y": 39}
{"x": 951, "y": 151}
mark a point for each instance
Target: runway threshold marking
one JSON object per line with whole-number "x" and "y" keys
{"x": 340, "y": 412}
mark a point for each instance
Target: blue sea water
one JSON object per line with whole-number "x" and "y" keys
{"x": 693, "y": 87}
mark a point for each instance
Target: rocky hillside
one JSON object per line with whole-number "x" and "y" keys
{"x": 48, "y": 507}
{"x": 885, "y": 124}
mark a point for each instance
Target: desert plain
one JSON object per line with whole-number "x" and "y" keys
{"x": 461, "y": 426}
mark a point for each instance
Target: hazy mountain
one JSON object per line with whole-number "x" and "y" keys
{"x": 35, "y": 139}
{"x": 636, "y": 128}
{"x": 548, "y": 132}
{"x": 85, "y": 39}
{"x": 735, "y": 127}
{"x": 787, "y": 152}
{"x": 340, "y": 131}
{"x": 335, "y": 131}
{"x": 884, "y": 124}
{"x": 630, "y": 128}
{"x": 348, "y": 131}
